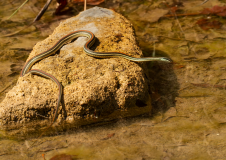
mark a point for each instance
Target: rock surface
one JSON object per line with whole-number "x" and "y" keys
{"x": 94, "y": 89}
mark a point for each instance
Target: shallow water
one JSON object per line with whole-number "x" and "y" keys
{"x": 188, "y": 117}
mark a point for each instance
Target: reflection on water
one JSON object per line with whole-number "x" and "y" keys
{"x": 188, "y": 97}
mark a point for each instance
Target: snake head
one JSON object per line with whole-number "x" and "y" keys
{"x": 165, "y": 59}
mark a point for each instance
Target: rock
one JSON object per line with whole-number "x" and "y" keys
{"x": 95, "y": 90}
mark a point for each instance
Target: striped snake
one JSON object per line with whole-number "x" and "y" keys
{"x": 88, "y": 44}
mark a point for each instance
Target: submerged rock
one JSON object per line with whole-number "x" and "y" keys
{"x": 95, "y": 90}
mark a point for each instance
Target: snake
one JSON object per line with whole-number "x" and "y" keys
{"x": 68, "y": 38}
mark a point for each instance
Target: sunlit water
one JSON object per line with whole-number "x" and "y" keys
{"x": 188, "y": 97}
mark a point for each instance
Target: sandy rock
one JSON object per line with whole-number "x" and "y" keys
{"x": 94, "y": 89}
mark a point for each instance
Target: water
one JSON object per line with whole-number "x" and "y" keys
{"x": 188, "y": 117}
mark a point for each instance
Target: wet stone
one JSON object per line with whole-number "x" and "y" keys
{"x": 94, "y": 90}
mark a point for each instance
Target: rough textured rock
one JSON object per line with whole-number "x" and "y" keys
{"x": 94, "y": 89}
